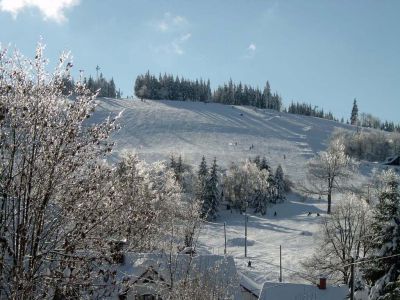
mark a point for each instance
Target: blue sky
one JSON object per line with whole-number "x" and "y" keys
{"x": 318, "y": 51}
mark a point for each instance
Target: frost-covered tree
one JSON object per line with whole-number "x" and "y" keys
{"x": 383, "y": 269}
{"x": 264, "y": 191}
{"x": 66, "y": 215}
{"x": 51, "y": 181}
{"x": 209, "y": 284}
{"x": 329, "y": 171}
{"x": 246, "y": 185}
{"x": 237, "y": 187}
{"x": 152, "y": 203}
{"x": 370, "y": 145}
{"x": 344, "y": 234}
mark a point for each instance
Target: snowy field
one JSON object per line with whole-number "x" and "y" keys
{"x": 155, "y": 129}
{"x": 291, "y": 228}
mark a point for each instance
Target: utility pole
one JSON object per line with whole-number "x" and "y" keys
{"x": 352, "y": 279}
{"x": 280, "y": 263}
{"x": 225, "y": 237}
{"x": 245, "y": 235}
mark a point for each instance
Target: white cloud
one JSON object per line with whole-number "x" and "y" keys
{"x": 272, "y": 10}
{"x": 250, "y": 51}
{"x": 162, "y": 26}
{"x": 50, "y": 9}
{"x": 179, "y": 20}
{"x": 185, "y": 37}
{"x": 178, "y": 43}
{"x": 174, "y": 47}
{"x": 174, "y": 33}
{"x": 170, "y": 22}
{"x": 252, "y": 47}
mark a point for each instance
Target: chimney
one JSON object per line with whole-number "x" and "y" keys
{"x": 322, "y": 283}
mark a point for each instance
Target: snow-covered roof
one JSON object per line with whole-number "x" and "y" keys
{"x": 249, "y": 285}
{"x": 391, "y": 159}
{"x": 221, "y": 268}
{"x": 290, "y": 291}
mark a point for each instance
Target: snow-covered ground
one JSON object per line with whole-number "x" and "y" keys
{"x": 155, "y": 129}
{"x": 291, "y": 228}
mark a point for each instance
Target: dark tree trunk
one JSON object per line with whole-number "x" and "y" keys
{"x": 329, "y": 202}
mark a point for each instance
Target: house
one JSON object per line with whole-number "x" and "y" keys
{"x": 149, "y": 276}
{"x": 249, "y": 289}
{"x": 393, "y": 161}
{"x": 290, "y": 291}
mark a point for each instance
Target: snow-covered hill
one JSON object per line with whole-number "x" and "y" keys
{"x": 155, "y": 129}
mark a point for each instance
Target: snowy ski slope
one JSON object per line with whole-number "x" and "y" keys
{"x": 155, "y": 129}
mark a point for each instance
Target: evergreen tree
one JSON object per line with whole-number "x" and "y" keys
{"x": 112, "y": 92}
{"x": 272, "y": 188}
{"x": 210, "y": 205}
{"x": 308, "y": 110}
{"x": 90, "y": 84}
{"x": 203, "y": 171}
{"x": 167, "y": 87}
{"x": 202, "y": 178}
{"x": 257, "y": 161}
{"x": 354, "y": 113}
{"x": 68, "y": 85}
{"x": 103, "y": 87}
{"x": 280, "y": 184}
{"x": 179, "y": 169}
{"x": 264, "y": 165}
{"x": 384, "y": 274}
{"x": 267, "y": 95}
{"x": 172, "y": 162}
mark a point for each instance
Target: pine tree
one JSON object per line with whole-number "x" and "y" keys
{"x": 90, "y": 84}
{"x": 210, "y": 206}
{"x": 354, "y": 113}
{"x": 272, "y": 188}
{"x": 257, "y": 161}
{"x": 112, "y": 93}
{"x": 384, "y": 274}
{"x": 203, "y": 171}
{"x": 267, "y": 96}
{"x": 179, "y": 169}
{"x": 202, "y": 178}
{"x": 264, "y": 165}
{"x": 172, "y": 162}
{"x": 280, "y": 184}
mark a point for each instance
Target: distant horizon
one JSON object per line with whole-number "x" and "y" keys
{"x": 321, "y": 52}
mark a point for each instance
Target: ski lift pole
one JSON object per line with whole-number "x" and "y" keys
{"x": 225, "y": 237}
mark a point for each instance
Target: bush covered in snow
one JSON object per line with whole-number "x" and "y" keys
{"x": 253, "y": 184}
{"x": 372, "y": 145}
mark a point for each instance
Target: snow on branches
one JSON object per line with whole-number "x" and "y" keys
{"x": 65, "y": 213}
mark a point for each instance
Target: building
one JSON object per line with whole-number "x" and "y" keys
{"x": 393, "y": 161}
{"x": 297, "y": 291}
{"x": 149, "y": 276}
{"x": 249, "y": 289}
